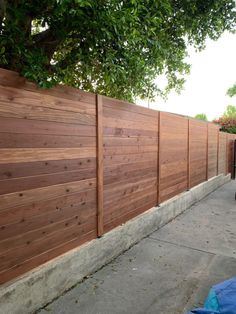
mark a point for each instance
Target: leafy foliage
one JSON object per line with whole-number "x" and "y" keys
{"x": 227, "y": 124}
{"x": 112, "y": 47}
{"x": 228, "y": 121}
{"x": 230, "y": 112}
{"x": 232, "y": 91}
{"x": 201, "y": 116}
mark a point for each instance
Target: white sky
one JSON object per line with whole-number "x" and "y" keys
{"x": 213, "y": 71}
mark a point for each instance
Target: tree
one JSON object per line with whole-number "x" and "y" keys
{"x": 232, "y": 91}
{"x": 228, "y": 121}
{"x": 226, "y": 124}
{"x": 201, "y": 116}
{"x": 230, "y": 112}
{"x": 112, "y": 47}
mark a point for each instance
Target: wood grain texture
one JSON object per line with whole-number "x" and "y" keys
{"x": 48, "y": 173}
{"x": 207, "y": 154}
{"x": 63, "y": 92}
{"x": 36, "y": 99}
{"x": 188, "y": 156}
{"x": 230, "y": 144}
{"x": 159, "y": 160}
{"x": 222, "y": 153}
{"x": 21, "y": 140}
{"x": 15, "y": 110}
{"x": 212, "y": 149}
{"x": 173, "y": 155}
{"x": 61, "y": 203}
{"x": 74, "y": 165}
{"x": 15, "y": 155}
{"x": 30, "y": 263}
{"x": 100, "y": 184}
{"x": 124, "y": 106}
{"x": 24, "y": 126}
{"x": 130, "y": 160}
{"x": 11, "y": 78}
{"x": 25, "y": 183}
{"x": 197, "y": 151}
{"x": 39, "y": 246}
{"x": 31, "y": 169}
{"x": 121, "y": 131}
{"x": 35, "y": 227}
{"x": 35, "y": 195}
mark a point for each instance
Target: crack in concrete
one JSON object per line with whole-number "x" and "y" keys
{"x": 184, "y": 246}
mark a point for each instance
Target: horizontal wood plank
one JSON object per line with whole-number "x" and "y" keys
{"x": 34, "y": 195}
{"x": 26, "y": 183}
{"x": 125, "y": 106}
{"x": 198, "y": 151}
{"x": 29, "y": 169}
{"x": 30, "y": 112}
{"x": 15, "y": 155}
{"x": 28, "y": 264}
{"x": 19, "y": 140}
{"x": 8, "y": 259}
{"x": 13, "y": 125}
{"x": 121, "y": 131}
{"x": 36, "y": 227}
{"x": 21, "y": 96}
{"x": 59, "y": 204}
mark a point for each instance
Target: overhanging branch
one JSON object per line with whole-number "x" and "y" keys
{"x": 48, "y": 41}
{"x": 2, "y": 11}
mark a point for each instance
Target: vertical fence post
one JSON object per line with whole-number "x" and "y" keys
{"x": 188, "y": 157}
{"x": 159, "y": 158}
{"x": 233, "y": 158}
{"x": 207, "y": 144}
{"x": 100, "y": 196}
{"x": 218, "y": 150}
{"x": 227, "y": 155}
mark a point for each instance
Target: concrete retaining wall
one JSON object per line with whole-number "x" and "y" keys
{"x": 40, "y": 286}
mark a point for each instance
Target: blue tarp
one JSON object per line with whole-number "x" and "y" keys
{"x": 221, "y": 299}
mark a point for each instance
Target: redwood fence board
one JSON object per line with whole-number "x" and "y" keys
{"x": 212, "y": 149}
{"x": 230, "y": 143}
{"x": 124, "y": 196}
{"x": 173, "y": 155}
{"x": 197, "y": 151}
{"x": 74, "y": 165}
{"x": 48, "y": 173}
{"x": 222, "y": 153}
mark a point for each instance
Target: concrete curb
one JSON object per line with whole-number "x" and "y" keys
{"x": 36, "y": 288}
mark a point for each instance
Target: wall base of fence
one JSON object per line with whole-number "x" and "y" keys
{"x": 40, "y": 286}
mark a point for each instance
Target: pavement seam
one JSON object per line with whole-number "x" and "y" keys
{"x": 185, "y": 246}
{"x": 192, "y": 248}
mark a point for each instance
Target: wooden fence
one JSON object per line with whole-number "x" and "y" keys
{"x": 74, "y": 165}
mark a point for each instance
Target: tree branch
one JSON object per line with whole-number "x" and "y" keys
{"x": 42, "y": 35}
{"x": 2, "y": 11}
{"x": 48, "y": 41}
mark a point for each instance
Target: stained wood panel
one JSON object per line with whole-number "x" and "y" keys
{"x": 130, "y": 161}
{"x": 37, "y": 260}
{"x": 222, "y": 167}
{"x": 48, "y": 170}
{"x": 13, "y": 140}
{"x": 212, "y": 149}
{"x": 197, "y": 151}
{"x": 230, "y": 144}
{"x": 18, "y": 170}
{"x": 74, "y": 165}
{"x": 173, "y": 155}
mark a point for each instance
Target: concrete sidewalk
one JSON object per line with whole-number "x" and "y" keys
{"x": 168, "y": 272}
